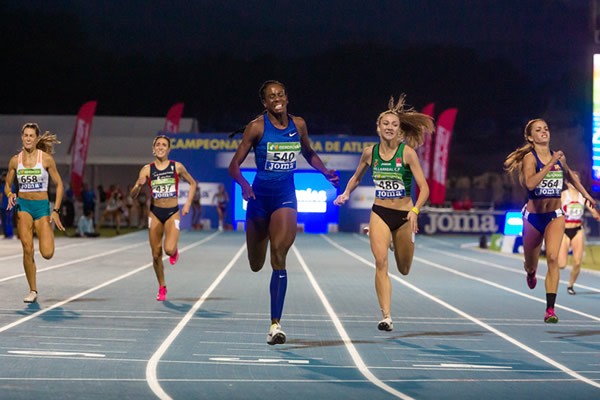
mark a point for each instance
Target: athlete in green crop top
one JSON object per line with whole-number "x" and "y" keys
{"x": 393, "y": 163}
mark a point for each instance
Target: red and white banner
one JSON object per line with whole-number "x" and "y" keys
{"x": 173, "y": 118}
{"x": 81, "y": 140}
{"x": 441, "y": 150}
{"x": 424, "y": 152}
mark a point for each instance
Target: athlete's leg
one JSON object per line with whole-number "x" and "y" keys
{"x": 577, "y": 245}
{"x": 380, "y": 236}
{"x": 155, "y": 234}
{"x": 563, "y": 253}
{"x": 404, "y": 248}
{"x": 221, "y": 213}
{"x": 171, "y": 234}
{"x": 532, "y": 243}
{"x": 25, "y": 226}
{"x": 45, "y": 236}
{"x": 282, "y": 233}
{"x": 257, "y": 240}
{"x": 553, "y": 236}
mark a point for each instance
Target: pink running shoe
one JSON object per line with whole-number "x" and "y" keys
{"x": 162, "y": 293}
{"x": 173, "y": 259}
{"x": 550, "y": 317}
{"x": 531, "y": 280}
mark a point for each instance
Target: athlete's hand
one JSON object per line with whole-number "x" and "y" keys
{"x": 557, "y": 156}
{"x": 247, "y": 192}
{"x": 591, "y": 202}
{"x": 332, "y": 177}
{"x": 413, "y": 220}
{"x": 56, "y": 218}
{"x": 185, "y": 210}
{"x": 12, "y": 201}
{"x": 341, "y": 199}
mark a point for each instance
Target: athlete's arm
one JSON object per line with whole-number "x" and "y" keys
{"x": 575, "y": 181}
{"x": 311, "y": 156}
{"x": 10, "y": 177}
{"x": 532, "y": 179}
{"x": 363, "y": 165}
{"x": 181, "y": 171}
{"x": 50, "y": 165}
{"x": 251, "y": 136}
{"x": 142, "y": 178}
{"x": 411, "y": 158}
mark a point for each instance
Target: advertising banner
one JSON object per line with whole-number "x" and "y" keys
{"x": 81, "y": 140}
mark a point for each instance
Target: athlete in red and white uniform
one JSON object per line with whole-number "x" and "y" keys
{"x": 573, "y": 204}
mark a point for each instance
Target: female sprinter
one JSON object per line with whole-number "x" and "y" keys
{"x": 32, "y": 167}
{"x": 163, "y": 177}
{"x": 393, "y": 163}
{"x": 277, "y": 138}
{"x": 542, "y": 172}
{"x": 573, "y": 204}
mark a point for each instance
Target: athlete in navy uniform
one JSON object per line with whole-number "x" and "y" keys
{"x": 163, "y": 177}
{"x": 277, "y": 138}
{"x": 542, "y": 172}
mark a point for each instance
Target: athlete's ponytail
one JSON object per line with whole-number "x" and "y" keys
{"x": 514, "y": 161}
{"x": 46, "y": 141}
{"x": 413, "y": 125}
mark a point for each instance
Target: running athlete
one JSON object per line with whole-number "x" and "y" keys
{"x": 573, "y": 204}
{"x": 33, "y": 167}
{"x": 542, "y": 172}
{"x": 394, "y": 163}
{"x": 163, "y": 177}
{"x": 221, "y": 198}
{"x": 277, "y": 137}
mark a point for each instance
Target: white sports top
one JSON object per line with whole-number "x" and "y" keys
{"x": 33, "y": 179}
{"x": 574, "y": 209}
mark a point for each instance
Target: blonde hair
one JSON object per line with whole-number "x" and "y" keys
{"x": 413, "y": 125}
{"x": 514, "y": 161}
{"x": 46, "y": 141}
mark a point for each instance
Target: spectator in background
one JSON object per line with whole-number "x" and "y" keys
{"x": 88, "y": 197}
{"x": 85, "y": 226}
{"x": 221, "y": 198}
{"x": 197, "y": 208}
{"x": 101, "y": 194}
{"x": 5, "y": 214}
{"x": 68, "y": 208}
{"x": 114, "y": 209}
{"x": 128, "y": 211}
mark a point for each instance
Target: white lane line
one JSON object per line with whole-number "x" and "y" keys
{"x": 20, "y": 255}
{"x": 502, "y": 267}
{"x": 344, "y": 335}
{"x": 260, "y": 360}
{"x": 54, "y": 353}
{"x": 504, "y": 336}
{"x": 78, "y": 338}
{"x": 151, "y": 377}
{"x": 252, "y": 333}
{"x": 91, "y": 290}
{"x": 94, "y": 329}
{"x": 77, "y": 260}
{"x": 471, "y": 366}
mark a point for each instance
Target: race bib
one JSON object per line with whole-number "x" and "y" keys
{"x": 30, "y": 179}
{"x": 163, "y": 188}
{"x": 551, "y": 185}
{"x": 282, "y": 156}
{"x": 389, "y": 186}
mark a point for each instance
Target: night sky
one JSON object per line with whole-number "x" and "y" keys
{"x": 500, "y": 62}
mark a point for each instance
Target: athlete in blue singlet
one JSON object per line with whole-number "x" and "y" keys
{"x": 542, "y": 172}
{"x": 277, "y": 138}
{"x": 34, "y": 167}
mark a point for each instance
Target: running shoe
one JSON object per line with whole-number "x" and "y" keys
{"x": 386, "y": 324}
{"x": 31, "y": 297}
{"x": 275, "y": 335}
{"x": 571, "y": 290}
{"x": 162, "y": 293}
{"x": 550, "y": 317}
{"x": 173, "y": 259}
{"x": 531, "y": 280}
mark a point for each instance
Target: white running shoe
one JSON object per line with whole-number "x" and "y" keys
{"x": 386, "y": 324}
{"x": 31, "y": 297}
{"x": 275, "y": 335}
